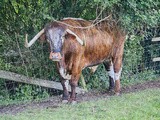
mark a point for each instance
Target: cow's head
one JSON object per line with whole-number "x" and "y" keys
{"x": 55, "y": 39}
{"x": 55, "y": 36}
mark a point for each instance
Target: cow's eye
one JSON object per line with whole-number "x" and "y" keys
{"x": 62, "y": 37}
{"x": 48, "y": 40}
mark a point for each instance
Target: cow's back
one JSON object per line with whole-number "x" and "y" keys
{"x": 100, "y": 40}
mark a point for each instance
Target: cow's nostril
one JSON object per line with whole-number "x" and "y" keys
{"x": 55, "y": 56}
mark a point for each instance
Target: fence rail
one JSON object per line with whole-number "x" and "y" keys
{"x": 156, "y": 39}
{"x": 34, "y": 81}
{"x": 156, "y": 59}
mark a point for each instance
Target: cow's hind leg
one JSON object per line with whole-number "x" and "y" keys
{"x": 117, "y": 64}
{"x": 117, "y": 74}
{"x": 65, "y": 96}
{"x": 110, "y": 70}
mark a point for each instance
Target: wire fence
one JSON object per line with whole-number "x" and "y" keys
{"x": 138, "y": 66}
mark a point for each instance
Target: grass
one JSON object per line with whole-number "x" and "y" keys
{"x": 143, "y": 105}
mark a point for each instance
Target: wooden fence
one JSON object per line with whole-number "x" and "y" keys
{"x": 35, "y": 81}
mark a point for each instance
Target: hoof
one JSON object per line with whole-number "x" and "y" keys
{"x": 73, "y": 102}
{"x": 110, "y": 90}
{"x": 117, "y": 93}
{"x": 64, "y": 101}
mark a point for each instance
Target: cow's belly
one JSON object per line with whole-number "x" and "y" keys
{"x": 95, "y": 59}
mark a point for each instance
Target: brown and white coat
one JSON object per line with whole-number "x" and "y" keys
{"x": 75, "y": 48}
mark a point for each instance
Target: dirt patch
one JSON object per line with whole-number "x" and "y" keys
{"x": 55, "y": 102}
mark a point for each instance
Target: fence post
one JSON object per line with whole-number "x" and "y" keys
{"x": 156, "y": 39}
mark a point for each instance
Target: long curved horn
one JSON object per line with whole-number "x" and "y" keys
{"x": 33, "y": 40}
{"x": 77, "y": 38}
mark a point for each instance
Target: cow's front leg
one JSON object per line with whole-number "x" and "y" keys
{"x": 65, "y": 96}
{"x": 73, "y": 82}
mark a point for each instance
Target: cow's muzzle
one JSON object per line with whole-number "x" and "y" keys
{"x": 55, "y": 56}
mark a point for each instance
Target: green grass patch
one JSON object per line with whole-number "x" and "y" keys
{"x": 132, "y": 106}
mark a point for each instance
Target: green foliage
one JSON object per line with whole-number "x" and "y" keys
{"x": 29, "y": 92}
{"x": 97, "y": 80}
{"x": 134, "y": 14}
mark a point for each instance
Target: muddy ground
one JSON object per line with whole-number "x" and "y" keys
{"x": 55, "y": 102}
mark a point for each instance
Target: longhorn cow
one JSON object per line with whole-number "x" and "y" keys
{"x": 76, "y": 44}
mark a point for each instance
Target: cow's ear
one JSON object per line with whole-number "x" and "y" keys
{"x": 68, "y": 31}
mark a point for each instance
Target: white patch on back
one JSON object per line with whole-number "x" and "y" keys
{"x": 63, "y": 73}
